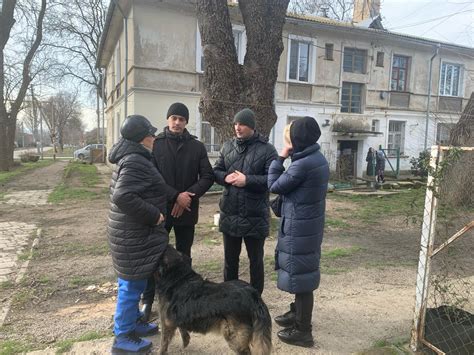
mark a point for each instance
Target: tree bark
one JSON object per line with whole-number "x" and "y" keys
{"x": 463, "y": 133}
{"x": 229, "y": 86}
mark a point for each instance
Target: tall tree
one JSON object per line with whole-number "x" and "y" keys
{"x": 79, "y": 25}
{"x": 229, "y": 86}
{"x": 12, "y": 92}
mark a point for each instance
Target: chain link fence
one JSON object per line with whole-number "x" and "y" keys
{"x": 444, "y": 309}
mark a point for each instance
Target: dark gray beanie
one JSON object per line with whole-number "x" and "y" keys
{"x": 245, "y": 117}
{"x": 178, "y": 109}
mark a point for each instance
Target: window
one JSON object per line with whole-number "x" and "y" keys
{"x": 380, "y": 58}
{"x": 443, "y": 132}
{"x": 354, "y": 60}
{"x": 396, "y": 135}
{"x": 301, "y": 59}
{"x": 117, "y": 58}
{"x": 351, "y": 98}
{"x": 375, "y": 126}
{"x": 399, "y": 73}
{"x": 450, "y": 79}
{"x": 240, "y": 42}
{"x": 209, "y": 137}
{"x": 329, "y": 54}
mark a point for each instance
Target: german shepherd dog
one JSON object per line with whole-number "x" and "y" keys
{"x": 192, "y": 304}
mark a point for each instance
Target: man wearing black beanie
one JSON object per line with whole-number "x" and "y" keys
{"x": 242, "y": 169}
{"x": 183, "y": 162}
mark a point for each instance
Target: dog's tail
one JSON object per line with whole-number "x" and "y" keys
{"x": 261, "y": 343}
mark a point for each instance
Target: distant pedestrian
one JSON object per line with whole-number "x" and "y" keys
{"x": 302, "y": 186}
{"x": 136, "y": 232}
{"x": 370, "y": 159}
{"x": 380, "y": 166}
{"x": 242, "y": 169}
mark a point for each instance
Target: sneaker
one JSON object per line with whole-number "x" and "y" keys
{"x": 287, "y": 319}
{"x": 296, "y": 337}
{"x": 130, "y": 343}
{"x": 144, "y": 329}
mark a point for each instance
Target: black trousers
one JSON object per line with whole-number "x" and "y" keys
{"x": 232, "y": 248}
{"x": 184, "y": 236}
{"x": 304, "y": 310}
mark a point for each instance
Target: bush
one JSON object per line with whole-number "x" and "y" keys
{"x": 419, "y": 166}
{"x": 29, "y": 157}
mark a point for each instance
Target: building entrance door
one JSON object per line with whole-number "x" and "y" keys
{"x": 347, "y": 159}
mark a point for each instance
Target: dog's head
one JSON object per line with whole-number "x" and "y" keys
{"x": 171, "y": 259}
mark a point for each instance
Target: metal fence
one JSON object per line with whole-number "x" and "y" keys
{"x": 443, "y": 317}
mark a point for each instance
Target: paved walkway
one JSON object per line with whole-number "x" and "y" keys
{"x": 27, "y": 198}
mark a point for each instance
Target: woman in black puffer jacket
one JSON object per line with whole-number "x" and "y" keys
{"x": 136, "y": 232}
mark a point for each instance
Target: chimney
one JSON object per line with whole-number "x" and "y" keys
{"x": 365, "y": 9}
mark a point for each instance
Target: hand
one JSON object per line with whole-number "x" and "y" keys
{"x": 184, "y": 200}
{"x": 161, "y": 219}
{"x": 177, "y": 211}
{"x": 230, "y": 179}
{"x": 240, "y": 179}
{"x": 286, "y": 151}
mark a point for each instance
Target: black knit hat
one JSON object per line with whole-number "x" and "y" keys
{"x": 245, "y": 117}
{"x": 304, "y": 132}
{"x": 178, "y": 109}
{"x": 137, "y": 127}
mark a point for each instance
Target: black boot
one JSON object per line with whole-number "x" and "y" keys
{"x": 296, "y": 337}
{"x": 146, "y": 311}
{"x": 287, "y": 319}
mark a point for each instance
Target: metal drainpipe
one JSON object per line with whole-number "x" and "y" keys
{"x": 125, "y": 26}
{"x": 429, "y": 96}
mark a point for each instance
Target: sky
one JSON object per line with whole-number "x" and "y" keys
{"x": 449, "y": 21}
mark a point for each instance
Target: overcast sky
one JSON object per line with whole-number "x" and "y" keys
{"x": 443, "y": 20}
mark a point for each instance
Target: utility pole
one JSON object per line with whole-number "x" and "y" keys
{"x": 35, "y": 120}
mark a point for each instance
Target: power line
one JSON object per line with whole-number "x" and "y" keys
{"x": 430, "y": 20}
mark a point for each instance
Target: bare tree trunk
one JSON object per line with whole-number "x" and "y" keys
{"x": 229, "y": 86}
{"x": 8, "y": 118}
{"x": 463, "y": 133}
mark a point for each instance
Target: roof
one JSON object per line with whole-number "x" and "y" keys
{"x": 341, "y": 25}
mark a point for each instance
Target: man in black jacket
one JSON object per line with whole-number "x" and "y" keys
{"x": 136, "y": 233}
{"x": 242, "y": 169}
{"x": 183, "y": 162}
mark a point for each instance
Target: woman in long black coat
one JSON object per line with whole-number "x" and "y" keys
{"x": 302, "y": 188}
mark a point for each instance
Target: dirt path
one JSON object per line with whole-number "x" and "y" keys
{"x": 68, "y": 292}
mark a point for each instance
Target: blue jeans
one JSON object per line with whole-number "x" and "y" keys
{"x": 127, "y": 312}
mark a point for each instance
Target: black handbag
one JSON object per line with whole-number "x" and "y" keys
{"x": 275, "y": 205}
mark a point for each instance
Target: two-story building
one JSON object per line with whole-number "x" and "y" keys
{"x": 366, "y": 87}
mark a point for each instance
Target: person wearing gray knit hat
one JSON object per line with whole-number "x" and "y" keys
{"x": 245, "y": 117}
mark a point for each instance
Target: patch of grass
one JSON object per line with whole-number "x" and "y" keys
{"x": 22, "y": 297}
{"x": 339, "y": 253}
{"x": 87, "y": 176}
{"x": 6, "y": 176}
{"x": 216, "y": 187}
{"x": 67, "y": 152}
{"x": 66, "y": 345}
{"x": 8, "y": 347}
{"x": 6, "y": 285}
{"x": 79, "y": 281}
{"x": 336, "y": 223}
{"x": 24, "y": 256}
{"x": 269, "y": 264}
{"x": 407, "y": 203}
{"x": 85, "y": 249}
{"x": 210, "y": 267}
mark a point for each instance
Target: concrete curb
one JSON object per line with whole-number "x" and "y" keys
{"x": 21, "y": 273}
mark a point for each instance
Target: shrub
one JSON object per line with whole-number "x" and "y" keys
{"x": 419, "y": 166}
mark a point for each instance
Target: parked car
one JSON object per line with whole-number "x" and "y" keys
{"x": 85, "y": 153}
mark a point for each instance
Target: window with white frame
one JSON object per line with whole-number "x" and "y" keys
{"x": 209, "y": 137}
{"x": 450, "y": 80}
{"x": 396, "y": 136}
{"x": 301, "y": 59}
{"x": 375, "y": 126}
{"x": 240, "y": 42}
{"x": 443, "y": 132}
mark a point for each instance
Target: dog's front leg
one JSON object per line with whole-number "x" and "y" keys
{"x": 168, "y": 330}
